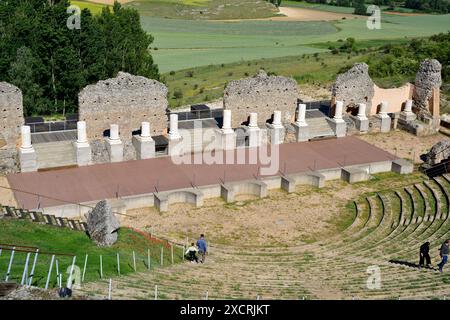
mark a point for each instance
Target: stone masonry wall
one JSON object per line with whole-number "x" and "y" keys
{"x": 354, "y": 86}
{"x": 126, "y": 100}
{"x": 262, "y": 94}
{"x": 11, "y": 119}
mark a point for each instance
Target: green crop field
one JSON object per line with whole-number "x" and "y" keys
{"x": 184, "y": 44}
{"x": 61, "y": 240}
{"x": 95, "y": 8}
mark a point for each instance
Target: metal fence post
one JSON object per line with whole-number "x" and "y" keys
{"x": 162, "y": 256}
{"x": 11, "y": 259}
{"x": 25, "y": 269}
{"x": 171, "y": 252}
{"x": 134, "y": 261}
{"x": 148, "y": 259}
{"x": 118, "y": 264}
{"x": 69, "y": 280}
{"x": 101, "y": 267}
{"x": 156, "y": 292}
{"x": 34, "y": 266}
{"x": 110, "y": 289}
{"x": 49, "y": 272}
{"x": 84, "y": 269}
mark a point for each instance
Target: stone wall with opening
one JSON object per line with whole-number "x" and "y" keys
{"x": 126, "y": 100}
{"x": 262, "y": 94}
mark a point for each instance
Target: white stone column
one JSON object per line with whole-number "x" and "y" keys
{"x": 301, "y": 116}
{"x": 27, "y": 155}
{"x": 338, "y": 111}
{"x": 173, "y": 127}
{"x": 26, "y": 139}
{"x": 144, "y": 144}
{"x": 254, "y": 132}
{"x": 114, "y": 132}
{"x": 408, "y": 106}
{"x": 277, "y": 119}
{"x": 337, "y": 123}
{"x": 145, "y": 130}
{"x": 253, "y": 123}
{"x": 407, "y": 114}
{"x": 362, "y": 111}
{"x": 114, "y": 145}
{"x": 384, "y": 106}
{"x": 385, "y": 119}
{"x": 226, "y": 124}
{"x": 301, "y": 127}
{"x": 83, "y": 149}
{"x": 81, "y": 133}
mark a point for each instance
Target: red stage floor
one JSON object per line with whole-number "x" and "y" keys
{"x": 96, "y": 182}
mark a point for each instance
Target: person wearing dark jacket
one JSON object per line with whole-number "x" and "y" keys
{"x": 425, "y": 255}
{"x": 443, "y": 252}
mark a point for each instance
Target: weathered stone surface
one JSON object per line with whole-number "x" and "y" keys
{"x": 354, "y": 86}
{"x": 126, "y": 100}
{"x": 437, "y": 153}
{"x": 262, "y": 94}
{"x": 102, "y": 224}
{"x": 428, "y": 77}
{"x": 11, "y": 110}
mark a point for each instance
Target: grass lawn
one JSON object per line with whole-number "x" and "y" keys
{"x": 61, "y": 240}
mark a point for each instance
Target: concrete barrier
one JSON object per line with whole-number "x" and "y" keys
{"x": 254, "y": 187}
{"x": 165, "y": 198}
{"x": 354, "y": 174}
{"x": 402, "y": 166}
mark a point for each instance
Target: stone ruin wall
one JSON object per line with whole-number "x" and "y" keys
{"x": 262, "y": 94}
{"x": 354, "y": 86}
{"x": 11, "y": 119}
{"x": 428, "y": 79}
{"x": 126, "y": 100}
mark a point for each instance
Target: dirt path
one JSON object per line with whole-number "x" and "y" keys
{"x": 302, "y": 14}
{"x": 110, "y": 2}
{"x": 6, "y": 196}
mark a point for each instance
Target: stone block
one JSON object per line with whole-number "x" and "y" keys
{"x": 229, "y": 191}
{"x": 145, "y": 147}
{"x": 354, "y": 174}
{"x": 225, "y": 140}
{"x": 339, "y": 127}
{"x": 301, "y": 132}
{"x": 84, "y": 154}
{"x": 362, "y": 125}
{"x": 385, "y": 123}
{"x": 115, "y": 150}
{"x": 276, "y": 134}
{"x": 163, "y": 199}
{"x": 288, "y": 184}
{"x": 28, "y": 160}
{"x": 402, "y": 166}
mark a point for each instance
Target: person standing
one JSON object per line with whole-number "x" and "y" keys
{"x": 202, "y": 249}
{"x": 443, "y": 252}
{"x": 425, "y": 255}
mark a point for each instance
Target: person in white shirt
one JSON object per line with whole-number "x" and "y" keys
{"x": 191, "y": 253}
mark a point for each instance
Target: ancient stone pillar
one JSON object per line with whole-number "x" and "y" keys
{"x": 384, "y": 117}
{"x": 144, "y": 144}
{"x": 407, "y": 115}
{"x": 276, "y": 130}
{"x": 254, "y": 133}
{"x": 173, "y": 127}
{"x": 226, "y": 137}
{"x": 362, "y": 122}
{"x": 301, "y": 127}
{"x": 337, "y": 123}
{"x": 114, "y": 145}
{"x": 26, "y": 138}
{"x": 277, "y": 119}
{"x": 338, "y": 110}
{"x": 83, "y": 149}
{"x": 145, "y": 130}
{"x": 27, "y": 155}
{"x": 226, "y": 125}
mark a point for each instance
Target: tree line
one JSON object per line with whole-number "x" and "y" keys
{"x": 51, "y": 62}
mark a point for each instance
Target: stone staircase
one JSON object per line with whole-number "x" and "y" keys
{"x": 55, "y": 154}
{"x": 319, "y": 128}
{"x": 38, "y": 217}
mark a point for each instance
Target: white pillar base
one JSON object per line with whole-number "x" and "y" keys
{"x": 115, "y": 150}
{"x": 254, "y": 137}
{"x": 276, "y": 133}
{"x": 145, "y": 147}
{"x": 407, "y": 116}
{"x": 301, "y": 131}
{"x": 339, "y": 127}
{"x": 225, "y": 139}
{"x": 28, "y": 160}
{"x": 175, "y": 147}
{"x": 84, "y": 153}
{"x": 385, "y": 123}
{"x": 362, "y": 124}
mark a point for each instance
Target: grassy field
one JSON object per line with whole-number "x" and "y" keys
{"x": 207, "y": 83}
{"x": 184, "y": 44}
{"x": 95, "y": 8}
{"x": 59, "y": 240}
{"x": 205, "y": 9}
